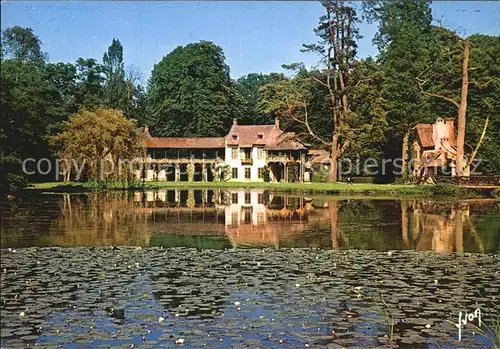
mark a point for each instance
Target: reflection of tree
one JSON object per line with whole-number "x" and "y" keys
{"x": 23, "y": 221}
{"x": 99, "y": 219}
{"x": 442, "y": 227}
{"x": 404, "y": 223}
{"x": 334, "y": 222}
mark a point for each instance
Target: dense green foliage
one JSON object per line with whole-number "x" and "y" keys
{"x": 191, "y": 93}
{"x": 36, "y": 97}
{"x": 101, "y": 140}
{"x": 250, "y": 88}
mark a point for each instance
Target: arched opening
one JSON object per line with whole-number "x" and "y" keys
{"x": 198, "y": 172}
{"x": 183, "y": 173}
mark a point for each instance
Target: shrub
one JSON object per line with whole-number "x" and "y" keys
{"x": 293, "y": 169}
{"x": 446, "y": 190}
{"x": 362, "y": 179}
{"x": 265, "y": 174}
{"x": 319, "y": 175}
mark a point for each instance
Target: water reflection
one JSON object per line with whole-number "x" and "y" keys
{"x": 249, "y": 218}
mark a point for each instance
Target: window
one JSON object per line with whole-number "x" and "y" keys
{"x": 261, "y": 154}
{"x": 247, "y": 154}
{"x": 234, "y": 198}
{"x": 234, "y": 218}
{"x": 234, "y": 153}
{"x": 235, "y": 137}
{"x": 247, "y": 173}
{"x": 260, "y": 198}
{"x": 260, "y": 218}
{"x": 235, "y": 172}
{"x": 259, "y": 172}
{"x": 248, "y": 198}
{"x": 260, "y": 136}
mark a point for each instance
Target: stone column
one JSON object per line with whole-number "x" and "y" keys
{"x": 177, "y": 172}
{"x": 204, "y": 173}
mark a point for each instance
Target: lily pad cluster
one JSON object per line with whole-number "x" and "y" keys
{"x": 126, "y": 296}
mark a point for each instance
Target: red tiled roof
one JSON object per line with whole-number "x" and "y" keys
{"x": 249, "y": 134}
{"x": 424, "y": 133}
{"x": 182, "y": 143}
{"x": 285, "y": 141}
{"x": 269, "y": 136}
{"x": 319, "y": 156}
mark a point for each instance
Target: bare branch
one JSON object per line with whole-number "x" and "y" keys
{"x": 484, "y": 84}
{"x": 451, "y": 100}
{"x": 306, "y": 124}
{"x": 319, "y": 81}
{"x": 479, "y": 143}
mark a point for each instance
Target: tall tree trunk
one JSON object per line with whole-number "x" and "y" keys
{"x": 404, "y": 152}
{"x": 333, "y": 176}
{"x": 462, "y": 110}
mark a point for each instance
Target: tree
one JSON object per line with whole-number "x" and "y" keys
{"x": 447, "y": 81}
{"x": 115, "y": 87}
{"x": 405, "y": 46}
{"x": 249, "y": 86}
{"x": 337, "y": 33}
{"x": 98, "y": 140}
{"x": 190, "y": 93}
{"x": 22, "y": 45}
{"x": 62, "y": 76}
{"x": 31, "y": 106}
{"x": 366, "y": 126}
{"x": 135, "y": 95}
{"x": 90, "y": 83}
{"x": 306, "y": 104}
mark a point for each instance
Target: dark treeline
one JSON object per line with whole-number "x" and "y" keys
{"x": 348, "y": 106}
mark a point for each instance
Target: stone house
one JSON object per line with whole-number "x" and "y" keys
{"x": 434, "y": 146}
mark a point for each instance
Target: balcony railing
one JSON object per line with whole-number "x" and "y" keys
{"x": 247, "y": 161}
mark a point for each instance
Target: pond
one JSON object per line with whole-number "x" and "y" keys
{"x": 247, "y": 268}
{"x": 253, "y": 218}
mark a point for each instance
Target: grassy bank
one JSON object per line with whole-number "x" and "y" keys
{"x": 317, "y": 188}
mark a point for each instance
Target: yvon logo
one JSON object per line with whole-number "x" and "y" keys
{"x": 463, "y": 318}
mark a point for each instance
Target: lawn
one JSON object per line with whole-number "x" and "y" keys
{"x": 319, "y": 188}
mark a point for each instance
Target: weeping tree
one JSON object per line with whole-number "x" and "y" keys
{"x": 101, "y": 141}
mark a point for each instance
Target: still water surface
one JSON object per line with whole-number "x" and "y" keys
{"x": 246, "y": 269}
{"x": 253, "y": 218}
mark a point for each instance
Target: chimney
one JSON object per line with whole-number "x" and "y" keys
{"x": 450, "y": 128}
{"x": 146, "y": 131}
{"x": 235, "y": 121}
{"x": 277, "y": 122}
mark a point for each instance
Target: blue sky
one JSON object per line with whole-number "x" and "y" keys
{"x": 256, "y": 36}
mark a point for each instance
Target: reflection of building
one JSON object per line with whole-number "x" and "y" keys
{"x": 429, "y": 226}
{"x": 247, "y": 153}
{"x": 224, "y": 219}
{"x": 245, "y": 217}
{"x": 246, "y": 207}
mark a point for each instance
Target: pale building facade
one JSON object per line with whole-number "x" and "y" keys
{"x": 248, "y": 153}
